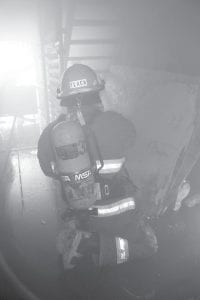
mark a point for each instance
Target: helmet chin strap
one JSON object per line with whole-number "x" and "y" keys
{"x": 80, "y": 115}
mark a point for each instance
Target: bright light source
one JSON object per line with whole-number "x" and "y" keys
{"x": 16, "y": 63}
{"x": 27, "y": 77}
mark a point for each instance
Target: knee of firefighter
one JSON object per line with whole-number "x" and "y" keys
{"x": 144, "y": 248}
{"x": 141, "y": 251}
{"x": 147, "y": 237}
{"x": 144, "y": 245}
{"x": 151, "y": 240}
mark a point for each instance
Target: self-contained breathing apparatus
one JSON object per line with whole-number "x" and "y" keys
{"x": 84, "y": 179}
{"x": 73, "y": 165}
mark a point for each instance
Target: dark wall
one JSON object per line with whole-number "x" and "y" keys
{"x": 161, "y": 35}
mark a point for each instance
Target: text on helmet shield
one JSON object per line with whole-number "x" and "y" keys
{"x": 78, "y": 83}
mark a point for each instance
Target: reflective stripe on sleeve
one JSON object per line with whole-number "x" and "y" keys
{"x": 115, "y": 208}
{"x": 122, "y": 250}
{"x": 110, "y": 165}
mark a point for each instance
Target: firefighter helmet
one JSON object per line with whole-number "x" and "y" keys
{"x": 79, "y": 79}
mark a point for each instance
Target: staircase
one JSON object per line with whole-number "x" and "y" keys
{"x": 88, "y": 32}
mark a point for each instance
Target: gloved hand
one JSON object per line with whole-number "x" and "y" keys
{"x": 77, "y": 247}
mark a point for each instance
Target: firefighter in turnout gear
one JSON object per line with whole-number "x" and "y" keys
{"x": 85, "y": 149}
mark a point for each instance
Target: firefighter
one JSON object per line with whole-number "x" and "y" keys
{"x": 87, "y": 149}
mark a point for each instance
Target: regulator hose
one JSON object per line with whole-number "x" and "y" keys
{"x": 21, "y": 290}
